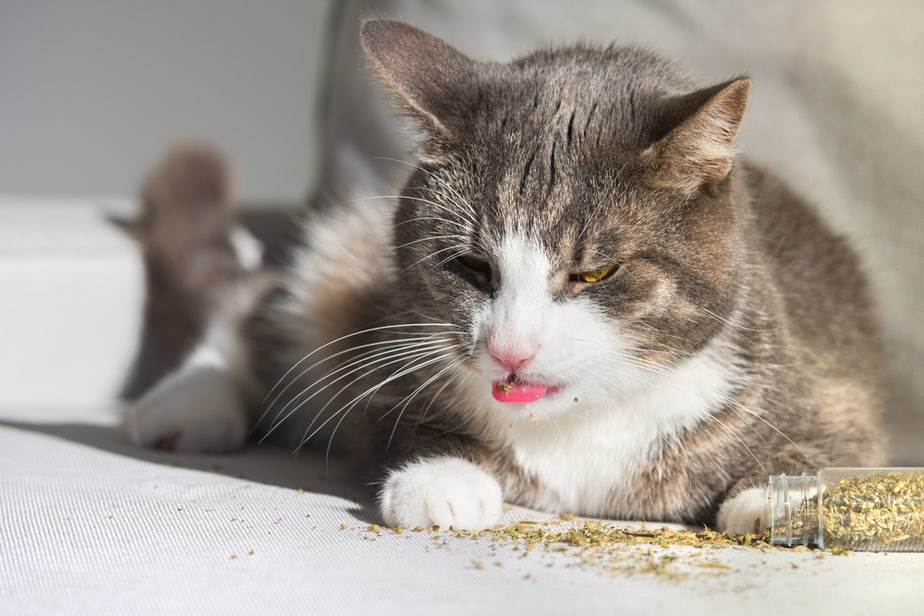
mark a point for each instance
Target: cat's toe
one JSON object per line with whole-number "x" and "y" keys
{"x": 166, "y": 442}
{"x": 444, "y": 492}
{"x": 196, "y": 411}
{"x": 748, "y": 512}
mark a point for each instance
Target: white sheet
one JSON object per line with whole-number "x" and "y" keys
{"x": 90, "y": 525}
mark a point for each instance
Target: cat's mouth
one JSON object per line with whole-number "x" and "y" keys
{"x": 515, "y": 390}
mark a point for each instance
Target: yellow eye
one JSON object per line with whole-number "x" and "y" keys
{"x": 598, "y": 275}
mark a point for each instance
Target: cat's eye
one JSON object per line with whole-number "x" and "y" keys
{"x": 596, "y": 275}
{"x": 475, "y": 269}
{"x": 475, "y": 264}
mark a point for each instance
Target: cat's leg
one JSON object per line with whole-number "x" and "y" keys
{"x": 186, "y": 236}
{"x": 204, "y": 405}
{"x": 444, "y": 491}
{"x": 746, "y": 509}
{"x": 198, "y": 408}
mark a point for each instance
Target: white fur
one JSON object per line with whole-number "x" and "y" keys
{"x": 247, "y": 248}
{"x": 446, "y": 492}
{"x": 748, "y": 512}
{"x": 586, "y": 455}
{"x": 609, "y": 416}
{"x": 514, "y": 320}
{"x": 198, "y": 408}
{"x": 345, "y": 253}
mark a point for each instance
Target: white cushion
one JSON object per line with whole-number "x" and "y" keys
{"x": 72, "y": 291}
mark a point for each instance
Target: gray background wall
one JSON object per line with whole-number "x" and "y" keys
{"x": 91, "y": 91}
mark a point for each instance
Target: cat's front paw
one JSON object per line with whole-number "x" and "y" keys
{"x": 748, "y": 512}
{"x": 195, "y": 410}
{"x": 445, "y": 492}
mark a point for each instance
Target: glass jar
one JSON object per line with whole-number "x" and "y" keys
{"x": 864, "y": 509}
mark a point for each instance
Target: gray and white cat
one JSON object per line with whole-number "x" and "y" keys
{"x": 581, "y": 301}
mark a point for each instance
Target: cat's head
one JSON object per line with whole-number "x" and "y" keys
{"x": 575, "y": 213}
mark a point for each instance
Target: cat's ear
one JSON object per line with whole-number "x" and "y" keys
{"x": 434, "y": 80}
{"x": 699, "y": 149}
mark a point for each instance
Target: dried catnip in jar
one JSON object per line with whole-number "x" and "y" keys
{"x": 863, "y": 509}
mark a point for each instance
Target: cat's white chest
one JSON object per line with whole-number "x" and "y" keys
{"x": 584, "y": 457}
{"x": 581, "y": 462}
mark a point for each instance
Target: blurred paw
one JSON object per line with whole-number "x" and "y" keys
{"x": 196, "y": 410}
{"x": 444, "y": 492}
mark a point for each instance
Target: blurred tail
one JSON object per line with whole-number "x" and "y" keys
{"x": 187, "y": 202}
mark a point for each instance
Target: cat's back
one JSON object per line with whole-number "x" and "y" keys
{"x": 820, "y": 280}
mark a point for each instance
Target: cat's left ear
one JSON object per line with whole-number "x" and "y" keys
{"x": 435, "y": 81}
{"x": 700, "y": 149}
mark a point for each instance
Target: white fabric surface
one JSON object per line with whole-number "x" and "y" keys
{"x": 125, "y": 531}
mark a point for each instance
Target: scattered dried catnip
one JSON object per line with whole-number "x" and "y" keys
{"x": 664, "y": 552}
{"x": 838, "y": 510}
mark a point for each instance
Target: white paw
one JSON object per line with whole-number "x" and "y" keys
{"x": 444, "y": 492}
{"x": 198, "y": 410}
{"x": 748, "y": 512}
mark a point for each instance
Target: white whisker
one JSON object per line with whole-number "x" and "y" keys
{"x": 431, "y": 238}
{"x": 360, "y": 361}
{"x": 410, "y": 397}
{"x": 459, "y": 250}
{"x": 739, "y": 439}
{"x": 383, "y": 358}
{"x": 462, "y": 201}
{"x": 405, "y": 370}
{"x": 731, "y": 402}
{"x": 369, "y": 330}
{"x": 398, "y": 343}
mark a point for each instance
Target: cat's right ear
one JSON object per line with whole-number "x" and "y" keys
{"x": 435, "y": 81}
{"x": 699, "y": 148}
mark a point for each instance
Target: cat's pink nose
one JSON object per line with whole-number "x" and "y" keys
{"x": 512, "y": 358}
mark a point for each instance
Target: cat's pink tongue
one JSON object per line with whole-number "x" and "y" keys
{"x": 506, "y": 391}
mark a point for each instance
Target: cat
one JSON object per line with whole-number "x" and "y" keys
{"x": 581, "y": 301}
